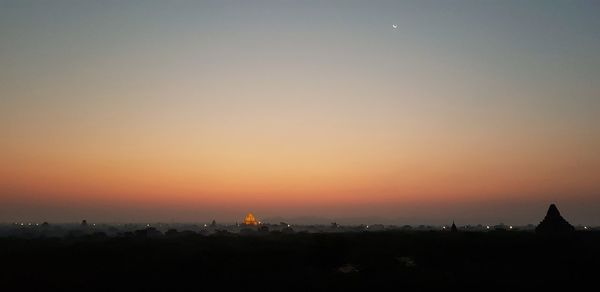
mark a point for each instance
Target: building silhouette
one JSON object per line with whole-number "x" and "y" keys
{"x": 554, "y": 223}
{"x": 453, "y": 228}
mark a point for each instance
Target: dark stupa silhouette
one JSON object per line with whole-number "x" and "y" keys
{"x": 554, "y": 222}
{"x": 453, "y": 228}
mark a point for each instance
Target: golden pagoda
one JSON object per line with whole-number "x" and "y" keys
{"x": 250, "y": 220}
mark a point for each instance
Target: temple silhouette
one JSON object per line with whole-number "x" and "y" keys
{"x": 554, "y": 222}
{"x": 453, "y": 228}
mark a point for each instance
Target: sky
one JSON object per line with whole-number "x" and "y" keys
{"x": 474, "y": 111}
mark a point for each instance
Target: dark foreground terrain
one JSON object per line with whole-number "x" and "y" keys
{"x": 366, "y": 261}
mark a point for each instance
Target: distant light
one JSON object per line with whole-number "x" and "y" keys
{"x": 510, "y": 227}
{"x": 443, "y": 227}
{"x": 367, "y": 226}
{"x": 259, "y": 222}
{"x": 37, "y": 224}
{"x": 584, "y": 227}
{"x": 147, "y": 225}
{"x": 94, "y": 224}
{"x": 22, "y": 224}
{"x": 488, "y": 227}
{"x": 29, "y": 224}
{"x": 204, "y": 225}
{"x": 289, "y": 225}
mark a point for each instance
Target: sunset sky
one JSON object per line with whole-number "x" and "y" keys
{"x": 475, "y": 111}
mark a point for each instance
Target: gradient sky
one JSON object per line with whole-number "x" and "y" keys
{"x": 477, "y": 111}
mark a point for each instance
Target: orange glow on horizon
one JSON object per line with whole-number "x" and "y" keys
{"x": 256, "y": 113}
